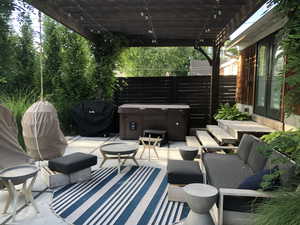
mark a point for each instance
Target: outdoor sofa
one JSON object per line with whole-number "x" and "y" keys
{"x": 232, "y": 173}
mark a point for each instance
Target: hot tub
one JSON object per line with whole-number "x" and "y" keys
{"x": 135, "y": 118}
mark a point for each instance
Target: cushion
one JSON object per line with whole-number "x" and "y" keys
{"x": 225, "y": 171}
{"x": 184, "y": 172}
{"x": 258, "y": 156}
{"x": 254, "y": 182}
{"x": 245, "y": 147}
{"x": 72, "y": 163}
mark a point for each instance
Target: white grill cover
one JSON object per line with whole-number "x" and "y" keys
{"x": 11, "y": 153}
{"x": 42, "y": 135}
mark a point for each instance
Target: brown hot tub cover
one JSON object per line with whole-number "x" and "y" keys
{"x": 11, "y": 153}
{"x": 42, "y": 135}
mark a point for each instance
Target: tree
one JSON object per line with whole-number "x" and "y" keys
{"x": 52, "y": 57}
{"x": 26, "y": 61}
{"x": 6, "y": 56}
{"x": 150, "y": 61}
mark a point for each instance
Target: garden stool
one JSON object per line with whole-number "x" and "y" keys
{"x": 200, "y": 198}
{"x": 188, "y": 152}
{"x": 149, "y": 143}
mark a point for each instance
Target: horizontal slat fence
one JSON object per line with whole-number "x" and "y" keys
{"x": 191, "y": 90}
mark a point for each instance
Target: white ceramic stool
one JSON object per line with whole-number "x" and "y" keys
{"x": 200, "y": 198}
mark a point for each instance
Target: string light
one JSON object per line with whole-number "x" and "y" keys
{"x": 148, "y": 19}
{"x": 93, "y": 22}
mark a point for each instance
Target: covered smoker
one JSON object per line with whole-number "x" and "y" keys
{"x": 93, "y": 118}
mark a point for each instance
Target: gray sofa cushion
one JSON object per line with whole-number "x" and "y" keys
{"x": 284, "y": 164}
{"x": 245, "y": 147}
{"x": 257, "y": 160}
{"x": 225, "y": 171}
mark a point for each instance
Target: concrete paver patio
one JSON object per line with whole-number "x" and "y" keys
{"x": 27, "y": 214}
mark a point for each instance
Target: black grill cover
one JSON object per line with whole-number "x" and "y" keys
{"x": 93, "y": 118}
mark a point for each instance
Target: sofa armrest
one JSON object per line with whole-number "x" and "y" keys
{"x": 219, "y": 148}
{"x": 244, "y": 193}
{"x": 237, "y": 192}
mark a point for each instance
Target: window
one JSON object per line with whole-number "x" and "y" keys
{"x": 270, "y": 62}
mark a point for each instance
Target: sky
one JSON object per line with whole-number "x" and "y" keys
{"x": 256, "y": 16}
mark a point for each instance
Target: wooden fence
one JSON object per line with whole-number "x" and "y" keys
{"x": 191, "y": 90}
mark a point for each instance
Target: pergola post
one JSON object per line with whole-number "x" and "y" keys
{"x": 214, "y": 84}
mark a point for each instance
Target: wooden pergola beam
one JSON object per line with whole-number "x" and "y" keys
{"x": 60, "y": 16}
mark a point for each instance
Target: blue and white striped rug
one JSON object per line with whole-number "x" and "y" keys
{"x": 137, "y": 196}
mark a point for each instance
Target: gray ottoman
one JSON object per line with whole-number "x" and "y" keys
{"x": 188, "y": 153}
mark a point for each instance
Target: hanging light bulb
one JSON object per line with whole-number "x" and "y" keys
{"x": 142, "y": 14}
{"x": 69, "y": 15}
{"x": 215, "y": 16}
{"x": 146, "y": 17}
{"x": 81, "y": 18}
{"x": 219, "y": 12}
{"x": 150, "y": 31}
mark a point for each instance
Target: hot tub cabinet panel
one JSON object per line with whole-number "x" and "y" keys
{"x": 134, "y": 118}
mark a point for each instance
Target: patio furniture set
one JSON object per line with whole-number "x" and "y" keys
{"x": 236, "y": 177}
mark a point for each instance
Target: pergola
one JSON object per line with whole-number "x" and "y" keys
{"x": 156, "y": 22}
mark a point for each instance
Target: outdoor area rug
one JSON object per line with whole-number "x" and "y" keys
{"x": 137, "y": 196}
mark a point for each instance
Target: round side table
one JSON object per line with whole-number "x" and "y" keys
{"x": 15, "y": 176}
{"x": 119, "y": 150}
{"x": 200, "y": 198}
{"x": 188, "y": 152}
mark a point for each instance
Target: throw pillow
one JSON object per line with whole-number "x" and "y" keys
{"x": 254, "y": 182}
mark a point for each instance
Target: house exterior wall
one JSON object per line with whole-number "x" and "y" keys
{"x": 246, "y": 76}
{"x": 245, "y": 92}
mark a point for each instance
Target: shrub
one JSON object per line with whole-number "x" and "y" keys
{"x": 227, "y": 112}
{"x": 282, "y": 209}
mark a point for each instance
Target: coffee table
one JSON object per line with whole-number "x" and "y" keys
{"x": 119, "y": 150}
{"x": 200, "y": 198}
{"x": 15, "y": 176}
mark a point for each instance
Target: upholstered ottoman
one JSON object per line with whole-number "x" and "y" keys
{"x": 71, "y": 168}
{"x": 181, "y": 173}
{"x": 72, "y": 163}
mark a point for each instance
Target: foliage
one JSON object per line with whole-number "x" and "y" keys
{"x": 52, "y": 57}
{"x": 287, "y": 142}
{"x": 291, "y": 46}
{"x": 106, "y": 52}
{"x": 150, "y": 61}
{"x": 26, "y": 63}
{"x": 18, "y": 103}
{"x": 6, "y": 44}
{"x": 282, "y": 209}
{"x": 17, "y": 55}
{"x": 227, "y": 112}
